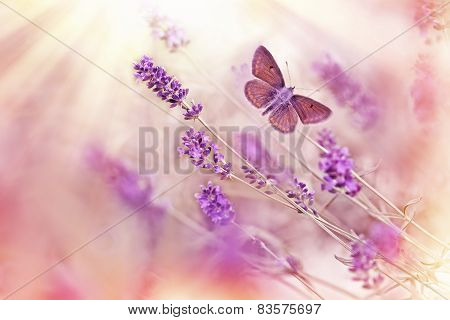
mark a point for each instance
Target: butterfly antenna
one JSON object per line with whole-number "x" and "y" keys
{"x": 289, "y": 74}
{"x": 290, "y": 81}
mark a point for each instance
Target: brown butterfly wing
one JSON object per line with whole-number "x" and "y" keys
{"x": 265, "y": 68}
{"x": 259, "y": 93}
{"x": 309, "y": 110}
{"x": 284, "y": 118}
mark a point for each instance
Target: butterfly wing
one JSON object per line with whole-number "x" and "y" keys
{"x": 259, "y": 93}
{"x": 284, "y": 118}
{"x": 265, "y": 68}
{"x": 309, "y": 110}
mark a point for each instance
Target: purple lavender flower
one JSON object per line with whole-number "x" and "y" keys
{"x": 386, "y": 238}
{"x": 363, "y": 263}
{"x": 204, "y": 153}
{"x": 166, "y": 87}
{"x": 431, "y": 18}
{"x": 347, "y": 91}
{"x": 133, "y": 189}
{"x": 253, "y": 177}
{"x": 175, "y": 38}
{"x": 215, "y": 205}
{"x": 337, "y": 166}
{"x": 343, "y": 87}
{"x": 164, "y": 29}
{"x": 301, "y": 195}
{"x": 193, "y": 112}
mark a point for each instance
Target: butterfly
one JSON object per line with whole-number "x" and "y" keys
{"x": 270, "y": 92}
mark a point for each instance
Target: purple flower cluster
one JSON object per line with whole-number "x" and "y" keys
{"x": 433, "y": 19}
{"x": 167, "y": 87}
{"x": 204, "y": 153}
{"x": 386, "y": 238}
{"x": 164, "y": 29}
{"x": 337, "y": 166}
{"x": 215, "y": 205}
{"x": 175, "y": 38}
{"x": 363, "y": 263}
{"x": 193, "y": 112}
{"x": 347, "y": 91}
{"x": 253, "y": 177}
{"x": 301, "y": 195}
{"x": 133, "y": 189}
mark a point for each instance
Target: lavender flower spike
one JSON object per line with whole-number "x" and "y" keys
{"x": 204, "y": 153}
{"x": 348, "y": 92}
{"x": 301, "y": 195}
{"x": 363, "y": 263}
{"x": 193, "y": 112}
{"x": 215, "y": 205}
{"x": 337, "y": 165}
{"x": 166, "y": 87}
{"x": 164, "y": 29}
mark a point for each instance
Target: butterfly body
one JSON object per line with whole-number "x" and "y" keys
{"x": 269, "y": 92}
{"x": 281, "y": 97}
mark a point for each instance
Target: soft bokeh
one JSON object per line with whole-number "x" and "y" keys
{"x": 70, "y": 113}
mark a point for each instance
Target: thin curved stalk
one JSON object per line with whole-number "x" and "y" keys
{"x": 278, "y": 259}
{"x": 331, "y": 285}
{"x": 198, "y": 228}
{"x": 260, "y": 191}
